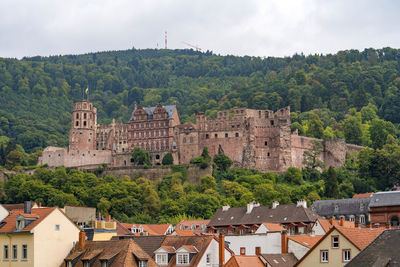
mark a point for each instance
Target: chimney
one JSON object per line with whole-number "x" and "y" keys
{"x": 331, "y": 220}
{"x": 250, "y": 207}
{"x": 108, "y": 218}
{"x": 275, "y": 204}
{"x": 388, "y": 225}
{"x": 302, "y": 203}
{"x": 221, "y": 250}
{"x": 225, "y": 207}
{"x": 27, "y": 207}
{"x": 341, "y": 223}
{"x": 258, "y": 251}
{"x": 357, "y": 224}
{"x": 284, "y": 242}
{"x": 368, "y": 225}
{"x": 82, "y": 240}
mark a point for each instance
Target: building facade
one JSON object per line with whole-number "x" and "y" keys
{"x": 258, "y": 139}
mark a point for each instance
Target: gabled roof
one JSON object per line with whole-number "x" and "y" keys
{"x": 326, "y": 225}
{"x": 305, "y": 240}
{"x": 10, "y": 222}
{"x": 244, "y": 261}
{"x": 149, "y": 243}
{"x": 281, "y": 214}
{"x": 274, "y": 227}
{"x": 170, "y": 109}
{"x": 349, "y": 206}
{"x": 384, "y": 199}
{"x": 152, "y": 229}
{"x": 280, "y": 260}
{"x": 184, "y": 232}
{"x": 359, "y": 237}
{"x": 121, "y": 253}
{"x": 188, "y": 224}
{"x": 383, "y": 251}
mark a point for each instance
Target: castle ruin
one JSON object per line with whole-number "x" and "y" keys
{"x": 257, "y": 139}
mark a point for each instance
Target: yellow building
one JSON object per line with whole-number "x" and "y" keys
{"x": 338, "y": 246}
{"x": 37, "y": 237}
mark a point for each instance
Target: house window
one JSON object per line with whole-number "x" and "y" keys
{"x": 208, "y": 258}
{"x": 336, "y": 207}
{"x": 24, "y": 252}
{"x": 161, "y": 259}
{"x": 242, "y": 251}
{"x": 14, "y": 252}
{"x": 184, "y": 139}
{"x": 351, "y": 218}
{"x": 301, "y": 230}
{"x": 361, "y": 206}
{"x": 5, "y": 252}
{"x": 183, "y": 259}
{"x": 362, "y": 219}
{"x": 191, "y": 139}
{"x": 335, "y": 241}
{"x": 86, "y": 264}
{"x": 103, "y": 264}
{"x": 346, "y": 254}
{"x": 142, "y": 263}
{"x": 57, "y": 227}
{"x": 69, "y": 264}
{"x": 324, "y": 256}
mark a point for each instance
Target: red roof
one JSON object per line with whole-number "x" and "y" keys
{"x": 152, "y": 229}
{"x": 326, "y": 225}
{"x": 306, "y": 240}
{"x": 360, "y": 237}
{"x": 244, "y": 261}
{"x": 274, "y": 227}
{"x": 362, "y": 195}
{"x": 10, "y": 222}
{"x": 184, "y": 232}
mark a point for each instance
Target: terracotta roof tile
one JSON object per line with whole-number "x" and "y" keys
{"x": 362, "y": 195}
{"x": 152, "y": 229}
{"x": 184, "y": 232}
{"x": 326, "y": 225}
{"x": 274, "y": 227}
{"x": 10, "y": 221}
{"x": 305, "y": 240}
{"x": 360, "y": 237}
{"x": 244, "y": 261}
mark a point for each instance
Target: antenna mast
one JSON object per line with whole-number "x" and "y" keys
{"x": 166, "y": 40}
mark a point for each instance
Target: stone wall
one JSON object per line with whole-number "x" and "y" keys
{"x": 156, "y": 174}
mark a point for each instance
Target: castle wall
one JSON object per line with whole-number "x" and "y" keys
{"x": 299, "y": 144}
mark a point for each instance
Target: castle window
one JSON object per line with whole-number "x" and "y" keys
{"x": 147, "y": 133}
{"x": 157, "y": 156}
{"x": 77, "y": 123}
{"x": 268, "y": 154}
{"x": 265, "y": 143}
{"x": 259, "y": 114}
{"x": 272, "y": 122}
{"x": 226, "y": 135}
{"x": 236, "y": 134}
{"x": 77, "y": 115}
{"x": 147, "y": 125}
{"x": 191, "y": 139}
{"x": 184, "y": 139}
{"x": 216, "y": 135}
{"x": 84, "y": 115}
{"x": 84, "y": 123}
{"x": 207, "y": 136}
{"x": 233, "y": 126}
{"x": 266, "y": 114}
{"x": 152, "y": 133}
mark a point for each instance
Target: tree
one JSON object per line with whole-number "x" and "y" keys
{"x": 315, "y": 126}
{"x": 14, "y": 158}
{"x": 2, "y": 155}
{"x": 311, "y": 157}
{"x": 168, "y": 159}
{"x": 140, "y": 156}
{"x": 331, "y": 184}
{"x": 223, "y": 162}
{"x": 208, "y": 182}
{"x": 294, "y": 176}
{"x": 352, "y": 130}
{"x": 379, "y": 132}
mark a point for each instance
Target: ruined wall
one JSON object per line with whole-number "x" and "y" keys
{"x": 299, "y": 144}
{"x": 156, "y": 174}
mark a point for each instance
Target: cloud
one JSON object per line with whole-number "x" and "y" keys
{"x": 253, "y": 27}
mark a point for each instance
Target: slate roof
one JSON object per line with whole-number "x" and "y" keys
{"x": 170, "y": 109}
{"x": 347, "y": 206}
{"x": 383, "y": 251}
{"x": 149, "y": 243}
{"x": 281, "y": 260}
{"x": 9, "y": 223}
{"x": 121, "y": 253}
{"x": 281, "y": 214}
{"x": 384, "y": 199}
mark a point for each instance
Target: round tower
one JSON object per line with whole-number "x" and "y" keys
{"x": 82, "y": 135}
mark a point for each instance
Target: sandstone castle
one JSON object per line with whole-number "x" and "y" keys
{"x": 257, "y": 139}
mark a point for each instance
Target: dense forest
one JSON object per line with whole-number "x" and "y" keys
{"x": 352, "y": 95}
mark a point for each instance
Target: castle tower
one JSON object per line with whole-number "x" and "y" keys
{"x": 82, "y": 135}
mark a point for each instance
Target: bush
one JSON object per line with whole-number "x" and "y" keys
{"x": 168, "y": 159}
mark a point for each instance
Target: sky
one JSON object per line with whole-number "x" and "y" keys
{"x": 227, "y": 27}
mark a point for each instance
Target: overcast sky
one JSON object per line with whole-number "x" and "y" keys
{"x": 242, "y": 27}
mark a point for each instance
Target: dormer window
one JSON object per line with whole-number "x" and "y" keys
{"x": 104, "y": 264}
{"x": 182, "y": 259}
{"x": 20, "y": 223}
{"x": 162, "y": 259}
{"x": 142, "y": 263}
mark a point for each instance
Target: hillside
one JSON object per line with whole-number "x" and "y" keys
{"x": 36, "y": 94}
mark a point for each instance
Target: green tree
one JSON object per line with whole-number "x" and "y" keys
{"x": 352, "y": 130}
{"x": 14, "y": 158}
{"x": 331, "y": 183}
{"x": 208, "y": 182}
{"x": 168, "y": 159}
{"x": 315, "y": 126}
{"x": 294, "y": 176}
{"x": 311, "y": 158}
{"x": 223, "y": 162}
{"x": 140, "y": 156}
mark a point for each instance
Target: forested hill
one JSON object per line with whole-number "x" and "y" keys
{"x": 331, "y": 96}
